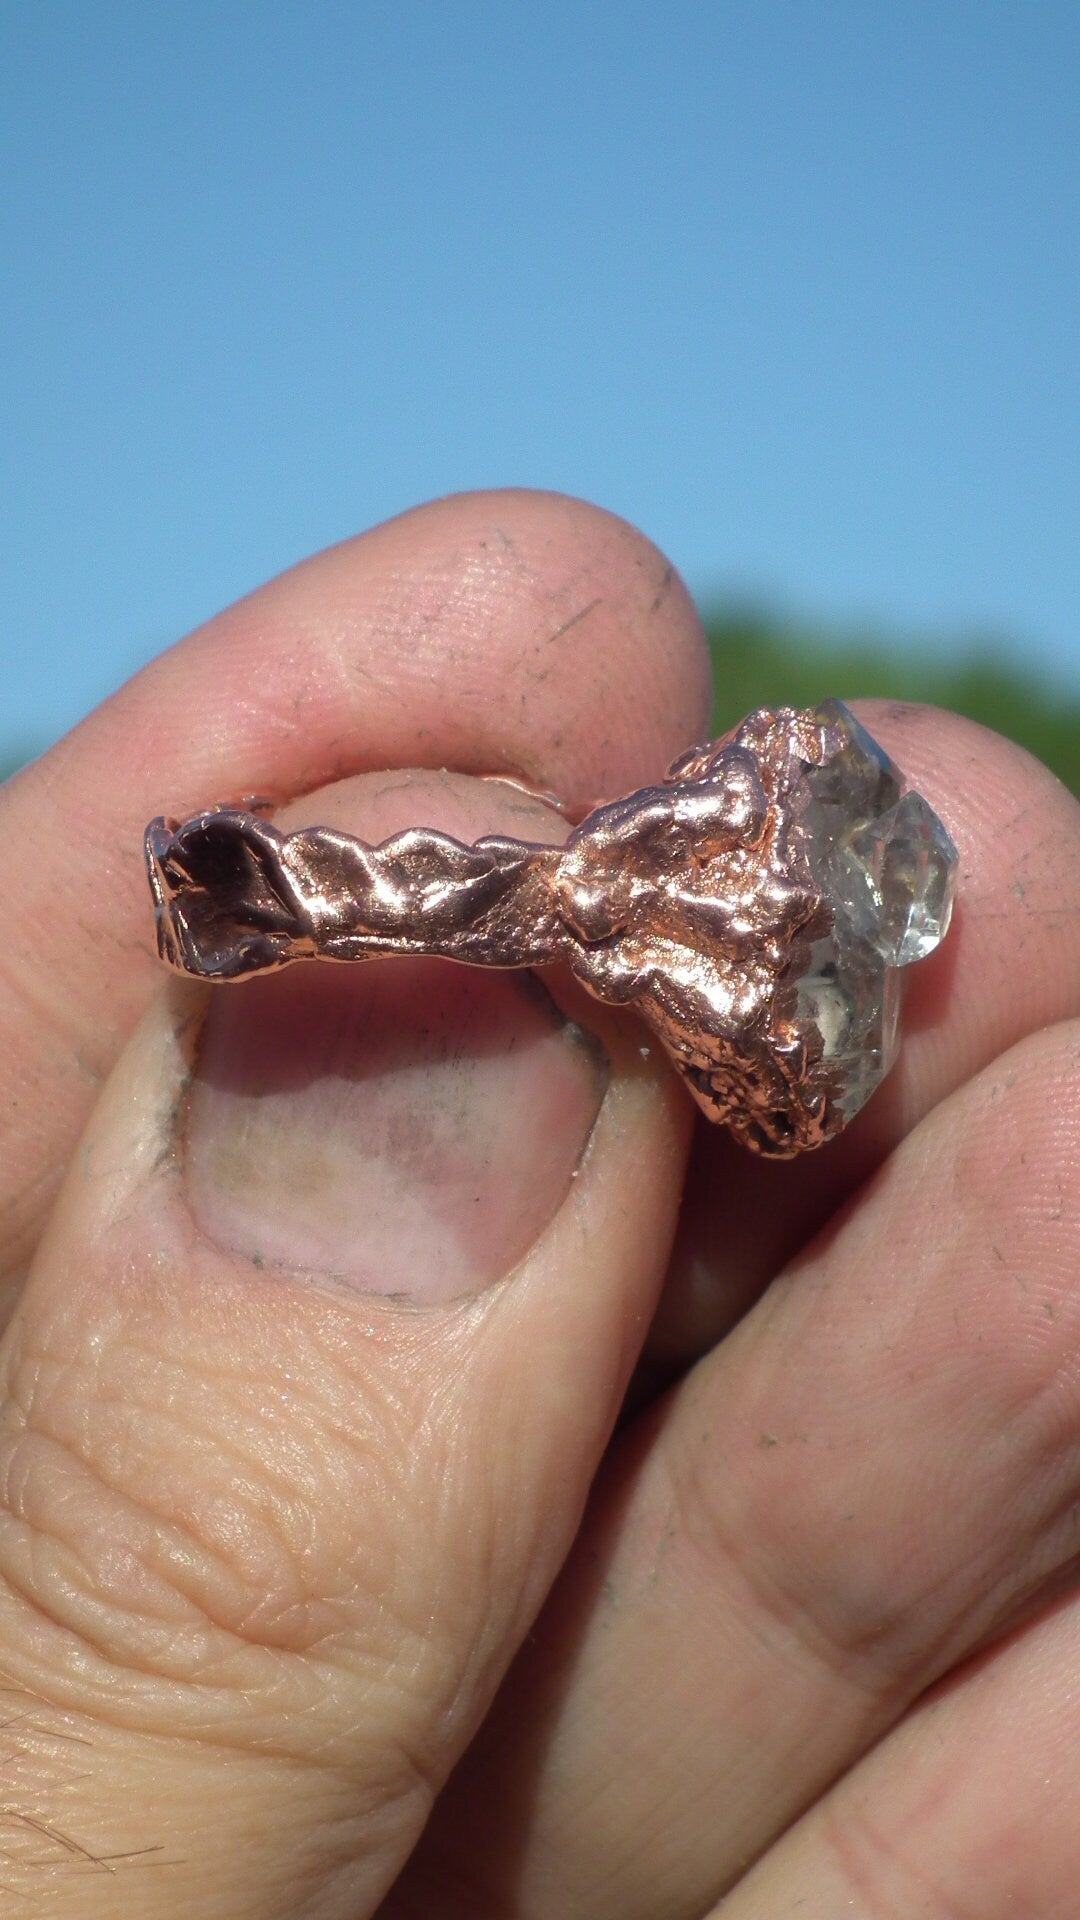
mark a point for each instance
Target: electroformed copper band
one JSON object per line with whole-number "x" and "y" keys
{"x": 753, "y": 908}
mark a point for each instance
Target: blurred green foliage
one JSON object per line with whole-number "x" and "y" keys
{"x": 761, "y": 661}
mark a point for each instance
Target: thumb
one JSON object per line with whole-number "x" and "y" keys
{"x": 302, "y": 1403}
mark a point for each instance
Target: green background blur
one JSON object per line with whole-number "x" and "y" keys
{"x": 762, "y": 661}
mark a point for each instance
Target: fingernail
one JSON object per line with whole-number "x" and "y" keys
{"x": 408, "y": 1126}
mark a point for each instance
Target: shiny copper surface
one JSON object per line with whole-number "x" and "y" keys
{"x": 693, "y": 902}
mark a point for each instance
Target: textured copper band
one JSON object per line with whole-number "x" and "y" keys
{"x": 754, "y": 908}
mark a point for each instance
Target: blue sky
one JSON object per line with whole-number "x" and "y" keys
{"x": 795, "y": 286}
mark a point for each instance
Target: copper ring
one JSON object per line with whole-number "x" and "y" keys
{"x": 756, "y": 908}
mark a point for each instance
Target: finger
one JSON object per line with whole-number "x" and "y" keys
{"x": 303, "y": 1398}
{"x": 513, "y": 632}
{"x": 1010, "y": 965}
{"x": 968, "y": 1808}
{"x": 877, "y": 1471}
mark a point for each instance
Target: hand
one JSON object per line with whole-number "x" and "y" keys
{"x": 326, "y": 1303}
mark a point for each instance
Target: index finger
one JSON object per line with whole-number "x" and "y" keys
{"x": 507, "y": 632}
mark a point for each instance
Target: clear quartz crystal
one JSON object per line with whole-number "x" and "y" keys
{"x": 901, "y": 873}
{"x": 886, "y": 866}
{"x": 854, "y": 1000}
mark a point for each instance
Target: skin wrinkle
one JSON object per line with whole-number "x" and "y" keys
{"x": 767, "y": 1592}
{"x": 233, "y": 1608}
{"x": 161, "y": 1552}
{"x": 211, "y": 1398}
{"x": 867, "y": 1860}
{"x": 980, "y": 1768}
{"x": 158, "y": 1510}
{"x": 196, "y": 1708}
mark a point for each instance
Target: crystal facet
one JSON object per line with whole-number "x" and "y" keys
{"x": 886, "y": 866}
{"x": 854, "y": 1002}
{"x": 904, "y": 867}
